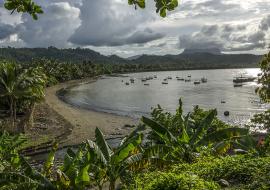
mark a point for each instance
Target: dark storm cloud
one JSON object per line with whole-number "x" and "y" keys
{"x": 107, "y": 26}
{"x": 6, "y": 30}
{"x": 52, "y": 29}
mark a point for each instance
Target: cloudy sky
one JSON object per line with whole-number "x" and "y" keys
{"x": 114, "y": 27}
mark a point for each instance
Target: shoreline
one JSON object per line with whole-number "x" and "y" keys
{"x": 85, "y": 121}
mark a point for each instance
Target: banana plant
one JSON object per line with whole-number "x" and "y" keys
{"x": 97, "y": 163}
{"x": 187, "y": 143}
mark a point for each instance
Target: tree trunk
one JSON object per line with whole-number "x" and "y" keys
{"x": 100, "y": 187}
{"x": 28, "y": 121}
{"x": 11, "y": 110}
{"x": 112, "y": 185}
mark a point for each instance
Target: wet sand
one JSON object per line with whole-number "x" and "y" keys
{"x": 85, "y": 121}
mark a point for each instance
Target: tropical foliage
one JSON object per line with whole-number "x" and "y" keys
{"x": 230, "y": 172}
{"x": 20, "y": 89}
{"x": 180, "y": 138}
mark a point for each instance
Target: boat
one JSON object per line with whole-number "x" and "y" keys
{"x": 165, "y": 79}
{"x": 143, "y": 79}
{"x": 155, "y": 76}
{"x": 180, "y": 79}
{"x": 169, "y": 77}
{"x": 132, "y": 80}
{"x": 238, "y": 85}
{"x": 187, "y": 80}
{"x": 189, "y": 76}
{"x": 197, "y": 82}
{"x": 164, "y": 82}
{"x": 223, "y": 101}
{"x": 127, "y": 83}
{"x": 204, "y": 80}
{"x": 146, "y": 84}
{"x": 242, "y": 79}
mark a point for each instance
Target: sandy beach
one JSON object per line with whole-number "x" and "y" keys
{"x": 85, "y": 121}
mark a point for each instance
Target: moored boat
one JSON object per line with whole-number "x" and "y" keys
{"x": 165, "y": 82}
{"x": 242, "y": 79}
{"x": 197, "y": 82}
{"x": 204, "y": 80}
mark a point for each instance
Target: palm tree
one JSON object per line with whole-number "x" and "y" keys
{"x": 21, "y": 85}
{"x": 36, "y": 82}
{"x": 11, "y": 84}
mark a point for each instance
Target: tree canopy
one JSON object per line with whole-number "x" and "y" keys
{"x": 30, "y": 7}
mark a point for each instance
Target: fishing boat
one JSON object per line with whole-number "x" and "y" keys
{"x": 187, "y": 80}
{"x": 165, "y": 79}
{"x": 127, "y": 83}
{"x": 189, "y": 76}
{"x": 146, "y": 84}
{"x": 204, "y": 80}
{"x": 169, "y": 77}
{"x": 165, "y": 82}
{"x": 155, "y": 76}
{"x": 197, "y": 82}
{"x": 132, "y": 80}
{"x": 242, "y": 79}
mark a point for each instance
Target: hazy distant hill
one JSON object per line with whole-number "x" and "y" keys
{"x": 199, "y": 59}
{"x": 190, "y": 58}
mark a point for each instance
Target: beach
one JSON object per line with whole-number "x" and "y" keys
{"x": 84, "y": 121}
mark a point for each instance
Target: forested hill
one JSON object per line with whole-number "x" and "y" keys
{"x": 77, "y": 55}
{"x": 190, "y": 59}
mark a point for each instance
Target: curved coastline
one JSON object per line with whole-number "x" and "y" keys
{"x": 85, "y": 121}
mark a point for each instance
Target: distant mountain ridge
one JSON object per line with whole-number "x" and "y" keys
{"x": 214, "y": 51}
{"x": 189, "y": 59}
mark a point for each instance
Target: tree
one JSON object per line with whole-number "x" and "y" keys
{"x": 24, "y": 86}
{"x": 30, "y": 7}
{"x": 262, "y": 120}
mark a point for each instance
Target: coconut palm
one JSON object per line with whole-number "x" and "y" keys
{"x": 21, "y": 85}
{"x": 11, "y": 86}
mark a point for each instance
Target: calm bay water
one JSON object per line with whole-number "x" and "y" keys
{"x": 110, "y": 94}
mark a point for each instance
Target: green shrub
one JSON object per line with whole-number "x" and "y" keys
{"x": 171, "y": 181}
{"x": 237, "y": 170}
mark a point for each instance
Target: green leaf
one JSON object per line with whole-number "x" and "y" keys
{"x": 163, "y": 12}
{"x": 83, "y": 176}
{"x": 103, "y": 145}
{"x": 203, "y": 126}
{"x": 124, "y": 151}
{"x": 224, "y": 134}
{"x": 161, "y": 131}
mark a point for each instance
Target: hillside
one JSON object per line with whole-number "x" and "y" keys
{"x": 77, "y": 55}
{"x": 189, "y": 59}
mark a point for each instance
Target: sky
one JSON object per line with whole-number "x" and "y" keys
{"x": 114, "y": 27}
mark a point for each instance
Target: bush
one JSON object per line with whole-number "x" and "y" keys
{"x": 172, "y": 181}
{"x": 244, "y": 171}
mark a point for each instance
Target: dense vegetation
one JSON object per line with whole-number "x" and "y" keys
{"x": 196, "y": 60}
{"x": 174, "y": 149}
